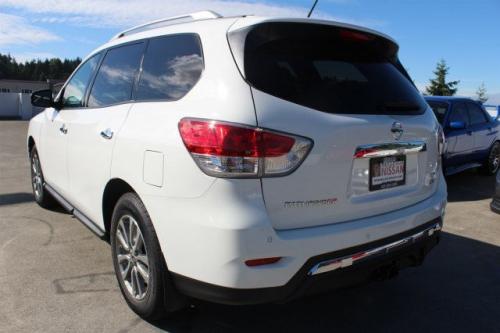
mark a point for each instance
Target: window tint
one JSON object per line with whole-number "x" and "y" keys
{"x": 172, "y": 65}
{"x": 439, "y": 109}
{"x": 115, "y": 78}
{"x": 476, "y": 114}
{"x": 459, "y": 113}
{"x": 329, "y": 69}
{"x": 74, "y": 92}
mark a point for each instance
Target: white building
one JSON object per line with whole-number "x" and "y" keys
{"x": 15, "y": 97}
{"x": 22, "y": 86}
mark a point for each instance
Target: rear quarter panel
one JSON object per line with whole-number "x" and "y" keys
{"x": 220, "y": 94}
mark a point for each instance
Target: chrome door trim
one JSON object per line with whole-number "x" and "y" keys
{"x": 390, "y": 148}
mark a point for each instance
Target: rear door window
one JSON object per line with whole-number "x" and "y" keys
{"x": 440, "y": 109}
{"x": 329, "y": 69}
{"x": 172, "y": 66}
{"x": 115, "y": 78}
{"x": 459, "y": 113}
{"x": 476, "y": 114}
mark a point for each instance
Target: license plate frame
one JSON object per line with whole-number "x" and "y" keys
{"x": 386, "y": 181}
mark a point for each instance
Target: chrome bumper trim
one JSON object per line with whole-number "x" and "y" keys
{"x": 388, "y": 149}
{"x": 347, "y": 261}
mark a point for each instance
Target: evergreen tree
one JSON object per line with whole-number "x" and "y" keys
{"x": 481, "y": 93}
{"x": 438, "y": 86}
{"x": 37, "y": 70}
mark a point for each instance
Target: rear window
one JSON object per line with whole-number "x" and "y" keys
{"x": 440, "y": 109}
{"x": 172, "y": 66}
{"x": 459, "y": 113}
{"x": 329, "y": 69}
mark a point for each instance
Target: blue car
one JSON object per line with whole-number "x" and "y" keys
{"x": 493, "y": 110}
{"x": 472, "y": 136}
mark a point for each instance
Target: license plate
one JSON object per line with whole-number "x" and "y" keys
{"x": 387, "y": 172}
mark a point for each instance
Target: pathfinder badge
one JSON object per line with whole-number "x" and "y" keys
{"x": 310, "y": 203}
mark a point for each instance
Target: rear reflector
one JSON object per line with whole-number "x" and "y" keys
{"x": 231, "y": 150}
{"x": 262, "y": 261}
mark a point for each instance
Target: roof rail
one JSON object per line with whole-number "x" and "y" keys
{"x": 203, "y": 15}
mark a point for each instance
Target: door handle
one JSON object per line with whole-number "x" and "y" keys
{"x": 63, "y": 129}
{"x": 107, "y": 134}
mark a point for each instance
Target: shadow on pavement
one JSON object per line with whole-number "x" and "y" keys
{"x": 15, "y": 198}
{"x": 470, "y": 185}
{"x": 23, "y": 197}
{"x": 455, "y": 290}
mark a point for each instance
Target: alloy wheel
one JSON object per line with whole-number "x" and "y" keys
{"x": 495, "y": 158}
{"x": 132, "y": 257}
{"x": 36, "y": 176}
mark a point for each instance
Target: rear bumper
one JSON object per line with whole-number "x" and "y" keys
{"x": 329, "y": 271}
{"x": 230, "y": 225}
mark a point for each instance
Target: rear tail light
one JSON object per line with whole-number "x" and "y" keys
{"x": 434, "y": 172}
{"x": 231, "y": 150}
{"x": 441, "y": 141}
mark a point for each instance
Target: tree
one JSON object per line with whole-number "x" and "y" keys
{"x": 481, "y": 93}
{"x": 438, "y": 86}
{"x": 41, "y": 70}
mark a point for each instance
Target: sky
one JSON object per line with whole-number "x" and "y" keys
{"x": 466, "y": 33}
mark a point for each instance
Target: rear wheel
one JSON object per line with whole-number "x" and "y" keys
{"x": 139, "y": 263}
{"x": 42, "y": 197}
{"x": 492, "y": 164}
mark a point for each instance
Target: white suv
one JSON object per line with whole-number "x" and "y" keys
{"x": 243, "y": 160}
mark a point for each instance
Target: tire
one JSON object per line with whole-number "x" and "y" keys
{"x": 492, "y": 164}
{"x": 139, "y": 263}
{"x": 42, "y": 196}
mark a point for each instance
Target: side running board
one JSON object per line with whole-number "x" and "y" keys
{"x": 76, "y": 213}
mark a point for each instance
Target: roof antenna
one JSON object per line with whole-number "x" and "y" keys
{"x": 312, "y": 9}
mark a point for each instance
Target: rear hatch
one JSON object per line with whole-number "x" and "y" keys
{"x": 375, "y": 140}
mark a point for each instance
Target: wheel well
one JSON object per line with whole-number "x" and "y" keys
{"x": 491, "y": 147}
{"x": 31, "y": 144}
{"x": 112, "y": 193}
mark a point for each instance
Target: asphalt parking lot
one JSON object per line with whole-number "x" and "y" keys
{"x": 56, "y": 276}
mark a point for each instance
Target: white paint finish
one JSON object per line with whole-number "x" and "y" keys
{"x": 208, "y": 227}
{"x": 220, "y": 94}
{"x": 90, "y": 155}
{"x": 327, "y": 172}
{"x": 229, "y": 225}
{"x": 153, "y": 168}
{"x": 53, "y": 145}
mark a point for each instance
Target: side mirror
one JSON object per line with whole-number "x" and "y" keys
{"x": 457, "y": 125}
{"x": 42, "y": 98}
